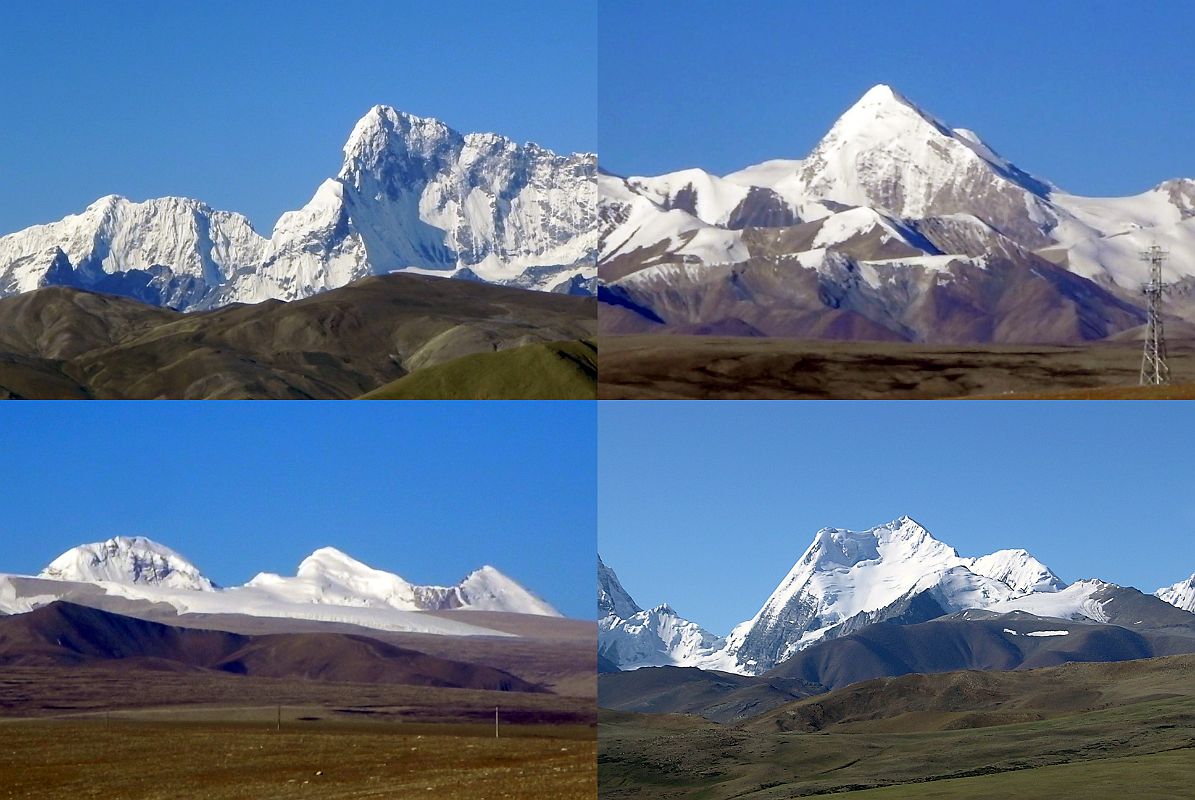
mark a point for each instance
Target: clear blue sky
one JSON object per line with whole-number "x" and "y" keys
{"x": 246, "y": 105}
{"x": 428, "y": 490}
{"x": 708, "y": 505}
{"x": 1097, "y": 96}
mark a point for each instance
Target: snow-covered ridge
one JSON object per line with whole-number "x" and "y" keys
{"x": 912, "y": 205}
{"x": 329, "y": 586}
{"x": 633, "y": 637}
{"x": 412, "y": 193}
{"x": 843, "y": 581}
{"x": 1180, "y": 595}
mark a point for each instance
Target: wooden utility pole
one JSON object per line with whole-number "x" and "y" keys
{"x": 495, "y": 722}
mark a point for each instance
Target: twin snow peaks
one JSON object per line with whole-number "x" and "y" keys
{"x": 847, "y": 580}
{"x": 327, "y": 576}
{"x": 412, "y": 194}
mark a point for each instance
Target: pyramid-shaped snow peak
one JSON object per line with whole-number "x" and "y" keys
{"x": 886, "y": 153}
{"x": 846, "y": 579}
{"x": 127, "y": 560}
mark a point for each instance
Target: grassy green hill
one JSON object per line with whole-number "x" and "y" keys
{"x": 540, "y": 371}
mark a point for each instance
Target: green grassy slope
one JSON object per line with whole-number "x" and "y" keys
{"x": 541, "y": 371}
{"x": 1128, "y": 726}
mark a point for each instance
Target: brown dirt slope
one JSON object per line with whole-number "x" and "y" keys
{"x": 65, "y": 634}
{"x": 59, "y": 342}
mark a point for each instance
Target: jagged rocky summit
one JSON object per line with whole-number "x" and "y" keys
{"x": 412, "y": 194}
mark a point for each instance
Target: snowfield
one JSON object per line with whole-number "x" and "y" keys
{"x": 329, "y": 586}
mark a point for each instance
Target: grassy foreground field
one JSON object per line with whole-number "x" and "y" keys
{"x": 1134, "y": 737}
{"x": 739, "y": 368}
{"x": 1158, "y": 775}
{"x": 149, "y": 757}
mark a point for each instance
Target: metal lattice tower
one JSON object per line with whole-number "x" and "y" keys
{"x": 1154, "y": 371}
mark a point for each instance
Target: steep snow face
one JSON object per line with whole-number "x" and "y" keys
{"x": 415, "y": 194}
{"x": 1018, "y": 569}
{"x": 845, "y": 573}
{"x": 331, "y": 577}
{"x": 1180, "y": 595}
{"x": 632, "y": 637}
{"x": 886, "y": 153}
{"x": 847, "y": 579}
{"x": 127, "y": 560}
{"x": 171, "y": 251}
{"x": 412, "y": 194}
{"x": 658, "y": 637}
{"x": 487, "y": 589}
{"x": 613, "y": 599}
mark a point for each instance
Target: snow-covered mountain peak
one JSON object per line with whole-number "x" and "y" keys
{"x": 901, "y": 539}
{"x": 129, "y": 560}
{"x": 613, "y": 599}
{"x": 632, "y": 637}
{"x": 1019, "y": 569}
{"x": 387, "y": 132}
{"x": 887, "y": 153}
{"x": 329, "y": 560}
{"x": 331, "y": 576}
{"x": 881, "y": 112}
{"x": 1181, "y": 594}
{"x": 488, "y": 589}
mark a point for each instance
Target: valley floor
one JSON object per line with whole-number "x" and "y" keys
{"x": 641, "y": 367}
{"x": 144, "y": 734}
{"x": 1133, "y": 737}
{"x": 166, "y": 756}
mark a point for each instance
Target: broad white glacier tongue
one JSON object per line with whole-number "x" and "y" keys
{"x": 412, "y": 194}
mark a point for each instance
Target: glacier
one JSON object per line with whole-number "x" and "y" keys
{"x": 329, "y": 586}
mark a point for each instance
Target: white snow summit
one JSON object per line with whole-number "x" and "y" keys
{"x": 329, "y": 586}
{"x": 844, "y": 581}
{"x": 411, "y": 194}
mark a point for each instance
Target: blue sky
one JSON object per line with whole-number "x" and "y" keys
{"x": 708, "y": 505}
{"x": 1097, "y": 96}
{"x": 428, "y": 490}
{"x": 246, "y": 105}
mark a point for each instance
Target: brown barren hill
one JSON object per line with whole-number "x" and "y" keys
{"x": 67, "y": 634}
{"x": 58, "y": 342}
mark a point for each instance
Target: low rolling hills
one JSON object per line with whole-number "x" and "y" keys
{"x": 1044, "y": 732}
{"x": 64, "y": 343}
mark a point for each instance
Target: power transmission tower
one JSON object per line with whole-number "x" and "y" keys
{"x": 1154, "y": 371}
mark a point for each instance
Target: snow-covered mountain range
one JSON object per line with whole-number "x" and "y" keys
{"x": 135, "y": 573}
{"x": 412, "y": 194}
{"x": 846, "y": 580}
{"x": 896, "y": 226}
